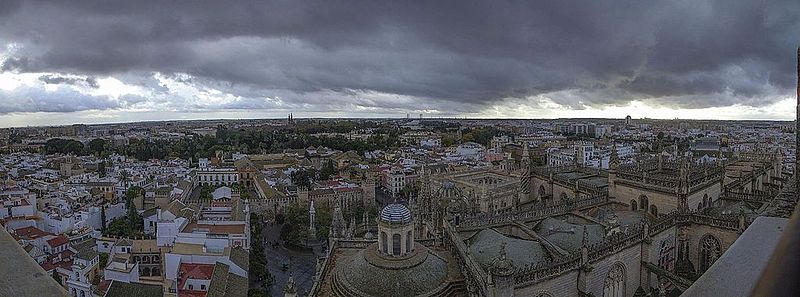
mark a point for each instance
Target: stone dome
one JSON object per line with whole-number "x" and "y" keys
{"x": 396, "y": 214}
{"x": 366, "y": 273}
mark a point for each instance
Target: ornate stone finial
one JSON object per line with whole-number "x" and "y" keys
{"x": 503, "y": 250}
{"x": 502, "y": 266}
{"x": 290, "y": 289}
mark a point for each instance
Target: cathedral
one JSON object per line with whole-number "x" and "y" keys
{"x": 650, "y": 226}
{"x": 644, "y": 229}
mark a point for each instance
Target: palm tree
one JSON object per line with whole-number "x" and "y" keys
{"x": 124, "y": 175}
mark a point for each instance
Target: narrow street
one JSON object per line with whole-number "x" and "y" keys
{"x": 301, "y": 264}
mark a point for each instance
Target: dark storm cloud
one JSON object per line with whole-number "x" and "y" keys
{"x": 687, "y": 54}
{"x": 70, "y": 80}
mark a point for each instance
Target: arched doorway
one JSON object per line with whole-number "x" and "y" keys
{"x": 384, "y": 243}
{"x": 408, "y": 241}
{"x": 396, "y": 242}
{"x": 614, "y": 285}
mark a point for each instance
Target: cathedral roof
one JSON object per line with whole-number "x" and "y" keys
{"x": 486, "y": 245}
{"x": 569, "y": 236}
{"x": 359, "y": 276}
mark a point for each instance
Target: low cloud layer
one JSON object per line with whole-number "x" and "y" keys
{"x": 440, "y": 57}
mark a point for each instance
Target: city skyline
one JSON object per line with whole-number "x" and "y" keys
{"x": 385, "y": 148}
{"x": 82, "y": 63}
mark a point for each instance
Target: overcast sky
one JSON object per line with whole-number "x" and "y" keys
{"x": 99, "y": 61}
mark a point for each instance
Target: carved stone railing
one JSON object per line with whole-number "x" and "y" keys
{"x": 533, "y": 212}
{"x": 355, "y": 244}
{"x": 742, "y": 196}
{"x": 470, "y": 268}
{"x": 727, "y": 222}
{"x": 539, "y": 271}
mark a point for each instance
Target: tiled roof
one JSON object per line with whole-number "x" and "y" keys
{"x": 188, "y": 271}
{"x": 58, "y": 241}
{"x": 225, "y": 284}
{"x": 86, "y": 250}
{"x": 150, "y": 212}
{"x": 29, "y": 233}
{"x": 240, "y": 257}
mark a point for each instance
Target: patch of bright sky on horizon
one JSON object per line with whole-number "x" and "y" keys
{"x": 163, "y": 106}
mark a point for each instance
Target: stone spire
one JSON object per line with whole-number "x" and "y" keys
{"x": 312, "y": 229}
{"x": 613, "y": 160}
{"x": 290, "y": 290}
{"x": 351, "y": 229}
{"x": 526, "y": 156}
{"x": 338, "y": 227}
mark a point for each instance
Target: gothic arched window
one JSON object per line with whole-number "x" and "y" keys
{"x": 542, "y": 191}
{"x": 706, "y": 201}
{"x": 614, "y": 285}
{"x": 710, "y": 250}
{"x": 653, "y": 210}
{"x": 666, "y": 255}
{"x": 633, "y": 204}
